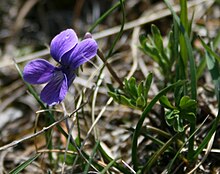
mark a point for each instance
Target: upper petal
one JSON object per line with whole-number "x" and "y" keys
{"x": 81, "y": 53}
{"x": 38, "y": 71}
{"x": 62, "y": 43}
{"x": 55, "y": 91}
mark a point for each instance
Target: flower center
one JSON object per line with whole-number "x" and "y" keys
{"x": 70, "y": 74}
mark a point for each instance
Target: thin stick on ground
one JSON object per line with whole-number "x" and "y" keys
{"x": 15, "y": 143}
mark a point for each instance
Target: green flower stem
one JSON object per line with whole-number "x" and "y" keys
{"x": 118, "y": 36}
{"x": 114, "y": 75}
{"x": 118, "y": 4}
{"x": 100, "y": 54}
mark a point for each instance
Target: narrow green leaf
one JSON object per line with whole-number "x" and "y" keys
{"x": 108, "y": 159}
{"x": 22, "y": 166}
{"x": 184, "y": 22}
{"x": 86, "y": 169}
{"x": 183, "y": 15}
{"x": 157, "y": 154}
{"x": 190, "y": 23}
{"x": 171, "y": 48}
{"x": 108, "y": 167}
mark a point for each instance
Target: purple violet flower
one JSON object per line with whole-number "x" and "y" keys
{"x": 70, "y": 54}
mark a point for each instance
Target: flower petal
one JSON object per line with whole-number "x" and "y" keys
{"x": 38, "y": 71}
{"x": 55, "y": 91}
{"x": 82, "y": 53}
{"x": 62, "y": 43}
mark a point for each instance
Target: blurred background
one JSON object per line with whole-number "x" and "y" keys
{"x": 26, "y": 29}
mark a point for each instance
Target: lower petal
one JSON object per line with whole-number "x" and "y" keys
{"x": 38, "y": 71}
{"x": 55, "y": 91}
